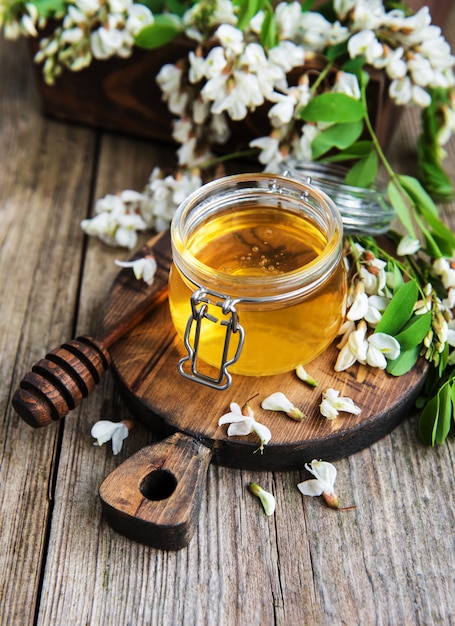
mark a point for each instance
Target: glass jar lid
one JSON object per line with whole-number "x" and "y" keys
{"x": 363, "y": 210}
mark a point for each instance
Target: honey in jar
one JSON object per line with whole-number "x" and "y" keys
{"x": 257, "y": 284}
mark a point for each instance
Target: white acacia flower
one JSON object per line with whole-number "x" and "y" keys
{"x": 376, "y": 307}
{"x": 359, "y": 306}
{"x": 408, "y": 245}
{"x": 143, "y": 268}
{"x": 374, "y": 277}
{"x": 287, "y": 55}
{"x": 381, "y": 347}
{"x": 169, "y": 78}
{"x": 368, "y": 14}
{"x": 323, "y": 484}
{"x": 241, "y": 422}
{"x": 347, "y": 327}
{"x": 332, "y": 404}
{"x": 215, "y": 62}
{"x": 302, "y": 147}
{"x": 196, "y": 70}
{"x": 105, "y": 430}
{"x": 365, "y": 43}
{"x": 357, "y": 342}
{"x": 451, "y": 333}
{"x": 303, "y": 375}
{"x": 393, "y": 63}
{"x": 287, "y": 16}
{"x": 400, "y": 90}
{"x": 449, "y": 302}
{"x": 443, "y": 268}
{"x": 283, "y": 111}
{"x": 88, "y": 7}
{"x": 267, "y": 499}
{"x": 348, "y": 84}
{"x": 420, "y": 96}
{"x": 106, "y": 42}
{"x": 117, "y": 219}
{"x": 139, "y": 16}
{"x": 345, "y": 359}
{"x": 231, "y": 38}
{"x": 164, "y": 194}
{"x": 270, "y": 155}
{"x": 279, "y": 402}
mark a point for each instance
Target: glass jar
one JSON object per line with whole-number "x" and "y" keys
{"x": 257, "y": 285}
{"x": 363, "y": 210}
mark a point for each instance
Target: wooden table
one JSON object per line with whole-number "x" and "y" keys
{"x": 389, "y": 561}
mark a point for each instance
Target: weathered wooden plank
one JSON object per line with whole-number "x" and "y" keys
{"x": 43, "y": 195}
{"x": 388, "y": 561}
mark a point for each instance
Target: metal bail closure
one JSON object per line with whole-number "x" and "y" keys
{"x": 199, "y": 306}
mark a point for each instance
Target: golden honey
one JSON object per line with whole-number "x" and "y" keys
{"x": 270, "y": 248}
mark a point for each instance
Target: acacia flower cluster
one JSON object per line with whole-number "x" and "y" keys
{"x": 91, "y": 29}
{"x": 231, "y": 73}
{"x": 370, "y": 293}
{"x": 118, "y": 218}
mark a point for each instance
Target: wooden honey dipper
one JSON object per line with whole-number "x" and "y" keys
{"x": 57, "y": 383}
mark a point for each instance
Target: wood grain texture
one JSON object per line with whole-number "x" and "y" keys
{"x": 154, "y": 497}
{"x": 44, "y": 194}
{"x": 388, "y": 561}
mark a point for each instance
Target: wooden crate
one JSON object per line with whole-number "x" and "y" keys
{"x": 121, "y": 95}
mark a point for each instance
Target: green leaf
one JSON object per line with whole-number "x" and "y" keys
{"x": 337, "y": 50}
{"x": 444, "y": 242}
{"x": 440, "y": 240}
{"x": 397, "y": 276}
{"x": 404, "y": 362}
{"x": 414, "y": 331}
{"x": 428, "y": 421}
{"x": 333, "y": 107}
{"x": 358, "y": 149}
{"x": 431, "y": 246}
{"x": 399, "y": 309}
{"x": 441, "y": 233}
{"x": 47, "y": 8}
{"x": 418, "y": 194}
{"x": 247, "y": 10}
{"x": 400, "y": 206}
{"x": 176, "y": 7}
{"x": 339, "y": 136}
{"x": 164, "y": 29}
{"x": 269, "y": 35}
{"x": 445, "y": 413}
{"x": 363, "y": 173}
{"x": 354, "y": 66}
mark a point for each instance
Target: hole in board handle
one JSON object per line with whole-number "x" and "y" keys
{"x": 158, "y": 485}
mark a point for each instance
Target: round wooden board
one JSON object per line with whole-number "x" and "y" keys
{"x": 145, "y": 361}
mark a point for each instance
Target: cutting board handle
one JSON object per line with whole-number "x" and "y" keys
{"x": 154, "y": 497}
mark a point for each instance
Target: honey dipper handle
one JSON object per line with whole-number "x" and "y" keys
{"x": 58, "y": 383}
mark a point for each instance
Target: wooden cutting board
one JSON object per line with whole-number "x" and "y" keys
{"x": 145, "y": 361}
{"x": 154, "y": 496}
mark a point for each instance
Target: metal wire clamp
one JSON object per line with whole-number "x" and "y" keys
{"x": 200, "y": 300}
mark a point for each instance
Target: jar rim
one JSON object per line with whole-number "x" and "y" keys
{"x": 211, "y": 196}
